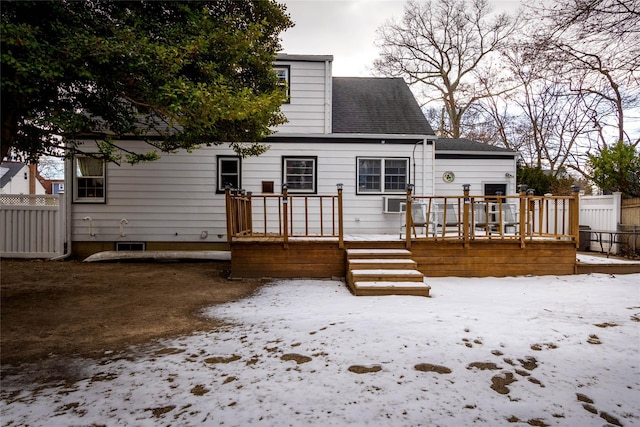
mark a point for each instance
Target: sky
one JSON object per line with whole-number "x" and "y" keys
{"x": 546, "y": 350}
{"x": 346, "y": 29}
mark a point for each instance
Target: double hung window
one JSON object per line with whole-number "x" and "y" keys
{"x": 300, "y": 173}
{"x": 228, "y": 173}
{"x": 382, "y": 175}
{"x": 283, "y": 72}
{"x": 89, "y": 178}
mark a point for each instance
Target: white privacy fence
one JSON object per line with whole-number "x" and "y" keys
{"x": 31, "y": 226}
{"x": 601, "y": 213}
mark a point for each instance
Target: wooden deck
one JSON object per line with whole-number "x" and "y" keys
{"x": 324, "y": 258}
{"x": 268, "y": 240}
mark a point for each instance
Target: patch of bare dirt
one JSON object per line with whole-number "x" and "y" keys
{"x": 500, "y": 382}
{"x": 361, "y": 369}
{"x": 428, "y": 367}
{"x": 88, "y": 309}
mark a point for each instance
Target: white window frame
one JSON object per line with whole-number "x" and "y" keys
{"x": 79, "y": 195}
{"x": 382, "y": 189}
{"x": 220, "y": 186}
{"x": 283, "y": 72}
{"x": 314, "y": 175}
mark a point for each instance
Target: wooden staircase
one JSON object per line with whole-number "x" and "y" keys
{"x": 374, "y": 272}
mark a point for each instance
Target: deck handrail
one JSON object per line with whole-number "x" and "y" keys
{"x": 283, "y": 216}
{"x": 487, "y": 217}
{"x": 522, "y": 217}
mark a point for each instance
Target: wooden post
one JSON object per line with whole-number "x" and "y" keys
{"x": 227, "y": 193}
{"x": 285, "y": 215}
{"x": 465, "y": 213}
{"x": 250, "y": 212}
{"x": 408, "y": 217}
{"x": 531, "y": 210}
{"x": 340, "y": 219}
{"x": 574, "y": 214}
{"x": 523, "y": 213}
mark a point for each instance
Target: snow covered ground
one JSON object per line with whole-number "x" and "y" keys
{"x": 558, "y": 351}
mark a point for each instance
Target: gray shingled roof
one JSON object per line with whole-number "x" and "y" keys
{"x": 376, "y": 106}
{"x": 464, "y": 144}
{"x": 11, "y": 170}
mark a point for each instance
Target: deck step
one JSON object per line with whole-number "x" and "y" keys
{"x": 377, "y": 253}
{"x": 382, "y": 263}
{"x": 379, "y": 288}
{"x": 376, "y": 272}
{"x": 385, "y": 275}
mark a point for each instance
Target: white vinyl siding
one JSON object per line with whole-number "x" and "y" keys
{"x": 477, "y": 173}
{"x": 309, "y": 106}
{"x": 174, "y": 198}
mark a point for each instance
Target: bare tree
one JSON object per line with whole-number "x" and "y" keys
{"x": 595, "y": 46}
{"x": 553, "y": 111}
{"x": 440, "y": 45}
{"x": 618, "y": 18}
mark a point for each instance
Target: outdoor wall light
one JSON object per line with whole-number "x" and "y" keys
{"x": 508, "y": 175}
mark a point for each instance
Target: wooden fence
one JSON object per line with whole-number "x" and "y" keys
{"x": 31, "y": 226}
{"x": 630, "y": 212}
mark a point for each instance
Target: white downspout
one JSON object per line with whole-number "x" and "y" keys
{"x": 67, "y": 210}
{"x": 328, "y": 97}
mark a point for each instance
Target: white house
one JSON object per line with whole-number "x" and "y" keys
{"x": 18, "y": 178}
{"x": 368, "y": 134}
{"x": 487, "y": 168}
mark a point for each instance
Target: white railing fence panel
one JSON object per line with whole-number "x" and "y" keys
{"x": 31, "y": 226}
{"x": 601, "y": 213}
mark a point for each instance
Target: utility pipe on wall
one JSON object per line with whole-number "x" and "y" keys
{"x": 123, "y": 221}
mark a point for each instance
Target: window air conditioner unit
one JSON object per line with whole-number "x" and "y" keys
{"x": 392, "y": 204}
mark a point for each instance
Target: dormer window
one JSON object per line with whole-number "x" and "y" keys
{"x": 283, "y": 71}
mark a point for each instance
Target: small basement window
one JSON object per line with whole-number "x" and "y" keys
{"x": 130, "y": 246}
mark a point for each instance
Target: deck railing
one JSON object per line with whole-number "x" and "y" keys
{"x": 464, "y": 218}
{"x": 521, "y": 217}
{"x": 284, "y": 216}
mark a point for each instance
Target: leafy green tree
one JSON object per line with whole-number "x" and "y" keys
{"x": 536, "y": 178}
{"x": 176, "y": 74}
{"x": 617, "y": 168}
{"x": 543, "y": 181}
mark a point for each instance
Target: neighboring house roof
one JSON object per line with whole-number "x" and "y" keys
{"x": 464, "y": 144}
{"x": 375, "y": 105}
{"x": 8, "y": 171}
